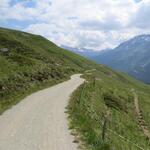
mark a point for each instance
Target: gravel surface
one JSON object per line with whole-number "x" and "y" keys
{"x": 38, "y": 122}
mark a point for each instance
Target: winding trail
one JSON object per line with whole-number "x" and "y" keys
{"x": 140, "y": 118}
{"x": 38, "y": 122}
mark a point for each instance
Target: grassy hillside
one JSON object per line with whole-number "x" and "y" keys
{"x": 106, "y": 96}
{"x": 30, "y": 62}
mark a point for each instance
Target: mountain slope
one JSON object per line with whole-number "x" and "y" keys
{"x": 131, "y": 56}
{"x": 103, "y": 114}
{"x": 30, "y": 62}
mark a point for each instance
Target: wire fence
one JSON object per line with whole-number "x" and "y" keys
{"x": 125, "y": 139}
{"x": 111, "y": 131}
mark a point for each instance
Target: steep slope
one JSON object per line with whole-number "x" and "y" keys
{"x": 131, "y": 56}
{"x": 28, "y": 62}
{"x": 103, "y": 113}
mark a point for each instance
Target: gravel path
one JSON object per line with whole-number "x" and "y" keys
{"x": 39, "y": 122}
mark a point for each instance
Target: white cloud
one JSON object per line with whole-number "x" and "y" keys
{"x": 141, "y": 18}
{"x": 95, "y": 24}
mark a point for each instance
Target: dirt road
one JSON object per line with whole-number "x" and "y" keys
{"x": 38, "y": 122}
{"x": 140, "y": 118}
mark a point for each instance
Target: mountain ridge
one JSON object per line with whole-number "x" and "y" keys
{"x": 82, "y": 51}
{"x": 131, "y": 56}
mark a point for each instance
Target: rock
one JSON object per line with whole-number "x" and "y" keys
{"x": 4, "y": 49}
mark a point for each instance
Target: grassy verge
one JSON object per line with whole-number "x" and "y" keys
{"x": 105, "y": 99}
{"x": 11, "y": 96}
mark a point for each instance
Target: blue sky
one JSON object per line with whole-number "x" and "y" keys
{"x": 95, "y": 24}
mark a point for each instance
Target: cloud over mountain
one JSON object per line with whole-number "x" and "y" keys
{"x": 93, "y": 24}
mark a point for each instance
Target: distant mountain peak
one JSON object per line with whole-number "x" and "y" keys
{"x": 82, "y": 51}
{"x": 133, "y": 42}
{"x": 144, "y": 37}
{"x": 131, "y": 56}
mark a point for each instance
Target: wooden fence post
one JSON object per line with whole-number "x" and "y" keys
{"x": 104, "y": 128}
